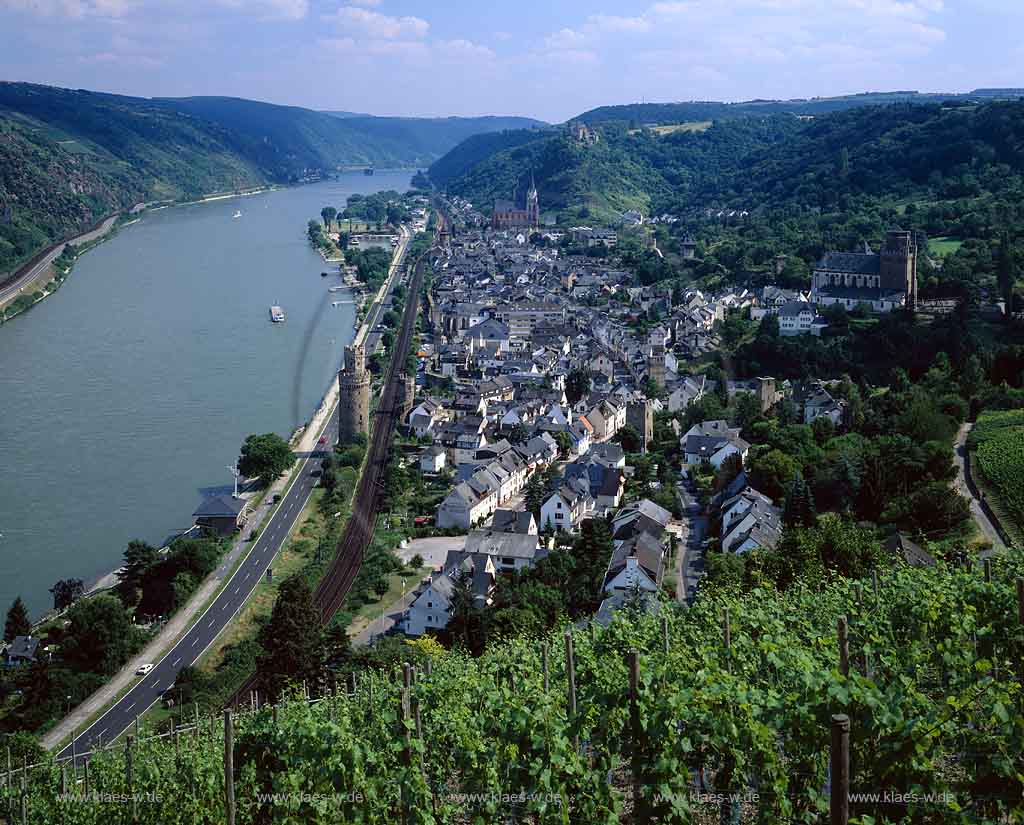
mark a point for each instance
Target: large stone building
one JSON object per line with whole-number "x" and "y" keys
{"x": 884, "y": 280}
{"x": 353, "y": 395}
{"x": 516, "y": 213}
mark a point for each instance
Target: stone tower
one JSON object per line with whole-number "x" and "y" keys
{"x": 407, "y": 394}
{"x": 353, "y": 395}
{"x": 656, "y": 365}
{"x": 898, "y": 266}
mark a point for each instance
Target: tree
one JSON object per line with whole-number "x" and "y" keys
{"x": 139, "y": 557}
{"x": 265, "y": 457}
{"x": 66, "y": 592}
{"x": 328, "y": 213}
{"x": 391, "y": 319}
{"x": 630, "y": 439}
{"x": 18, "y": 622}
{"x": 292, "y": 641}
{"x": 100, "y": 636}
{"x": 518, "y": 434}
{"x": 564, "y": 443}
{"x": 534, "y": 495}
{"x": 747, "y": 410}
{"x": 799, "y": 510}
{"x": 577, "y": 385}
{"x": 772, "y": 472}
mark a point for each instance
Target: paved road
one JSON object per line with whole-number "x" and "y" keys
{"x": 149, "y": 689}
{"x": 690, "y": 555}
{"x": 961, "y": 486}
{"x": 216, "y": 617}
{"x": 11, "y": 291}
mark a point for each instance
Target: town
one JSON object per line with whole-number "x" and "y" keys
{"x": 553, "y": 390}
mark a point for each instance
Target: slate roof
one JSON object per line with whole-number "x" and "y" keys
{"x": 23, "y": 647}
{"x": 220, "y": 507}
{"x": 496, "y": 543}
{"x": 511, "y": 521}
{"x": 859, "y": 263}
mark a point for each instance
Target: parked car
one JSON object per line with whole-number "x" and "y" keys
{"x": 143, "y": 669}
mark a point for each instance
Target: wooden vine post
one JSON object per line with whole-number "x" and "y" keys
{"x": 128, "y": 775}
{"x": 229, "y": 769}
{"x": 1020, "y": 621}
{"x": 545, "y": 665}
{"x": 839, "y": 801}
{"x": 727, "y": 635}
{"x": 633, "y": 663}
{"x": 844, "y": 647}
{"x": 570, "y": 666}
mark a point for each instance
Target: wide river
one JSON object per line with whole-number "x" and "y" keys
{"x": 125, "y": 396}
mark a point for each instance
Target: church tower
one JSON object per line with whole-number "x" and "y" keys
{"x": 532, "y": 204}
{"x": 898, "y": 264}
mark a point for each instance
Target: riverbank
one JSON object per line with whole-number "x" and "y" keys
{"x": 163, "y": 340}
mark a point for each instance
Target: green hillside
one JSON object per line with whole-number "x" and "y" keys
{"x": 932, "y": 696}
{"x": 70, "y": 157}
{"x": 649, "y": 113}
{"x": 952, "y": 170}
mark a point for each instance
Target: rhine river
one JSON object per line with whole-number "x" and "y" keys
{"x": 126, "y": 395}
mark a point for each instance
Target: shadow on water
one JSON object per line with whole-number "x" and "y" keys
{"x": 300, "y": 367}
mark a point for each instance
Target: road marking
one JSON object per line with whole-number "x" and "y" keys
{"x": 130, "y": 706}
{"x": 211, "y": 622}
{"x": 175, "y": 662}
{"x": 100, "y": 734}
{"x": 196, "y": 639}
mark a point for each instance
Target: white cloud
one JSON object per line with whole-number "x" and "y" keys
{"x": 377, "y": 26}
{"x": 465, "y": 49}
{"x": 128, "y": 61}
{"x": 71, "y": 8}
{"x": 368, "y": 4}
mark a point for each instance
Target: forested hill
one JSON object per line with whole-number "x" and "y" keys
{"x": 907, "y": 152}
{"x": 70, "y": 157}
{"x": 695, "y": 110}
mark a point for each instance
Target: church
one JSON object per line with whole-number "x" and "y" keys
{"x": 884, "y": 280}
{"x": 517, "y": 214}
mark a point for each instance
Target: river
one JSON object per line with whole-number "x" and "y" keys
{"x": 126, "y": 395}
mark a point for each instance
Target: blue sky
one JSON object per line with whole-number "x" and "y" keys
{"x": 550, "y": 59}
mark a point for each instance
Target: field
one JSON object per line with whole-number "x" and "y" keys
{"x": 998, "y": 439}
{"x": 690, "y": 126}
{"x": 941, "y": 247}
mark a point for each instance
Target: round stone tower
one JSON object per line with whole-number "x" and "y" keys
{"x": 353, "y": 395}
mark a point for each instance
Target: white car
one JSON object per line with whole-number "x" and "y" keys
{"x": 143, "y": 670}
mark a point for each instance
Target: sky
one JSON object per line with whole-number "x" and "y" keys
{"x": 550, "y": 59}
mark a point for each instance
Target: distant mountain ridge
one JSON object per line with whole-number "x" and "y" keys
{"x": 648, "y": 113}
{"x": 748, "y": 160}
{"x": 68, "y": 157}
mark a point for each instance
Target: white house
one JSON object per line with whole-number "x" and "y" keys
{"x": 636, "y": 564}
{"x": 433, "y": 459}
{"x": 467, "y": 504}
{"x": 800, "y": 318}
{"x": 564, "y": 509}
{"x": 431, "y": 608}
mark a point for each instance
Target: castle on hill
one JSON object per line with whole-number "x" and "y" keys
{"x": 518, "y": 213}
{"x": 884, "y": 280}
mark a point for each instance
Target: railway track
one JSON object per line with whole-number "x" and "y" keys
{"x": 334, "y": 586}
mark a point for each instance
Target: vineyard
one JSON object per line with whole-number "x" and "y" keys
{"x": 998, "y": 439}
{"x": 653, "y": 719}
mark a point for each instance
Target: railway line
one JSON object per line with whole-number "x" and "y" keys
{"x": 337, "y": 581}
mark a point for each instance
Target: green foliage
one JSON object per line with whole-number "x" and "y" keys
{"x": 292, "y": 640}
{"x": 100, "y": 636}
{"x": 17, "y": 622}
{"x": 167, "y": 582}
{"x": 265, "y": 457}
{"x": 999, "y": 442}
{"x": 371, "y": 265}
{"x": 935, "y": 715}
